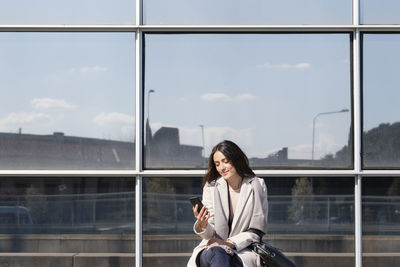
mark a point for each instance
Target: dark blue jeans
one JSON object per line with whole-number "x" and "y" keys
{"x": 217, "y": 257}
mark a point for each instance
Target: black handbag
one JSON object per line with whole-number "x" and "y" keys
{"x": 270, "y": 256}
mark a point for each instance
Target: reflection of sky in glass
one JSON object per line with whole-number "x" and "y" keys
{"x": 379, "y": 11}
{"x": 381, "y": 57}
{"x": 67, "y": 12}
{"x": 247, "y": 12}
{"x": 81, "y": 84}
{"x": 260, "y": 90}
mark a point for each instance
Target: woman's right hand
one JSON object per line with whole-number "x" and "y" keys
{"x": 202, "y": 216}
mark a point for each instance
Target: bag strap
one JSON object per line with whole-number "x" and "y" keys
{"x": 257, "y": 232}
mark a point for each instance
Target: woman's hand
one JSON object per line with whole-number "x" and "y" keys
{"x": 202, "y": 216}
{"x": 215, "y": 241}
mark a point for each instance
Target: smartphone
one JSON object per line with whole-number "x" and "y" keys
{"x": 196, "y": 200}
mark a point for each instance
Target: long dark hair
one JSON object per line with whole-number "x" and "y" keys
{"x": 235, "y": 155}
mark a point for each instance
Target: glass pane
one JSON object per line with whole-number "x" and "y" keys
{"x": 310, "y": 219}
{"x": 381, "y": 124}
{"x": 68, "y": 100}
{"x": 284, "y": 98}
{"x": 247, "y": 12}
{"x": 168, "y": 220}
{"x": 67, "y": 215}
{"x": 67, "y": 12}
{"x": 381, "y": 220}
{"x": 379, "y": 12}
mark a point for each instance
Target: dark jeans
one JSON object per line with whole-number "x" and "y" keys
{"x": 217, "y": 257}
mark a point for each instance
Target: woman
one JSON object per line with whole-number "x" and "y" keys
{"x": 234, "y": 213}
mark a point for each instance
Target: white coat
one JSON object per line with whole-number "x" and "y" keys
{"x": 241, "y": 220}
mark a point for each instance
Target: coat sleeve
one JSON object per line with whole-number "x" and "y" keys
{"x": 244, "y": 239}
{"x": 208, "y": 196}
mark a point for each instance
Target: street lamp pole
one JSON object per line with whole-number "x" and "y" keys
{"x": 315, "y": 119}
{"x": 202, "y": 138}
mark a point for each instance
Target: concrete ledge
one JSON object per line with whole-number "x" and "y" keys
{"x": 104, "y": 260}
{"x": 67, "y": 243}
{"x": 180, "y": 259}
{"x": 36, "y": 259}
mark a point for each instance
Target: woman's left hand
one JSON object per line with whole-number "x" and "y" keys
{"x": 215, "y": 241}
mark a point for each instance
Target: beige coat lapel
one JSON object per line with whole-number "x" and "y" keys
{"x": 245, "y": 191}
{"x": 222, "y": 188}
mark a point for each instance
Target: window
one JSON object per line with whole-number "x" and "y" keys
{"x": 89, "y": 208}
{"x": 248, "y": 12}
{"x": 381, "y": 218}
{"x": 381, "y": 124}
{"x": 379, "y": 11}
{"x": 67, "y": 12}
{"x": 68, "y": 101}
{"x": 285, "y": 98}
{"x": 306, "y": 215}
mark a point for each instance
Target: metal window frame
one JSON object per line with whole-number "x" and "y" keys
{"x": 138, "y": 29}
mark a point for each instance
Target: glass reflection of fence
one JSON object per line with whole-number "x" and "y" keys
{"x": 381, "y": 215}
{"x": 172, "y": 214}
{"x": 74, "y": 213}
{"x": 333, "y": 214}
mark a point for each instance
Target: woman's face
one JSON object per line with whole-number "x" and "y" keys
{"x": 224, "y": 166}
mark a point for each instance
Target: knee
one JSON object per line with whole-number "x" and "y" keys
{"x": 211, "y": 251}
{"x": 216, "y": 250}
{"x": 214, "y": 256}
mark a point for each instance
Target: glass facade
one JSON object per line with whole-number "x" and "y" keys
{"x": 111, "y": 108}
{"x": 306, "y": 215}
{"x": 68, "y": 100}
{"x": 54, "y": 207}
{"x": 67, "y": 12}
{"x": 250, "y": 12}
{"x": 379, "y": 11}
{"x": 380, "y": 219}
{"x": 250, "y": 88}
{"x": 381, "y": 146}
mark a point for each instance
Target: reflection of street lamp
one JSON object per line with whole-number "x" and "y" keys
{"x": 202, "y": 138}
{"x": 148, "y": 104}
{"x": 315, "y": 118}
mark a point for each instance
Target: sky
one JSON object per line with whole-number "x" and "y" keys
{"x": 77, "y": 83}
{"x": 260, "y": 90}
{"x": 380, "y": 79}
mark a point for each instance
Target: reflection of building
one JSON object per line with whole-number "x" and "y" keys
{"x": 57, "y": 151}
{"x": 279, "y": 157}
{"x": 164, "y": 149}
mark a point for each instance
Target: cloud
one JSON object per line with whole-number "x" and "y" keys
{"x": 224, "y": 97}
{"x": 19, "y": 119}
{"x": 301, "y": 151}
{"x": 112, "y": 118}
{"x": 46, "y": 103}
{"x": 88, "y": 69}
{"x": 215, "y": 96}
{"x": 244, "y": 97}
{"x": 299, "y": 66}
{"x": 325, "y": 144}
